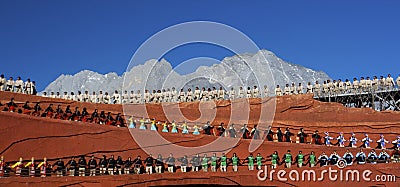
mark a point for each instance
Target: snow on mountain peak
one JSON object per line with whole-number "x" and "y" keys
{"x": 239, "y": 70}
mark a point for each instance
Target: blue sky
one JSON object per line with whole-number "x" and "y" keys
{"x": 43, "y": 39}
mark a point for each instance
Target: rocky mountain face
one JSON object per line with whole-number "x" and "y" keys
{"x": 260, "y": 69}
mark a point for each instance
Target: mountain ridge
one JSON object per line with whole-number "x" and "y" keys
{"x": 239, "y": 70}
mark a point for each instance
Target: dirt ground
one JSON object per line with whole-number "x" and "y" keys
{"x": 28, "y": 136}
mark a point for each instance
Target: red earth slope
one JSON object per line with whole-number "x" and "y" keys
{"x": 26, "y": 136}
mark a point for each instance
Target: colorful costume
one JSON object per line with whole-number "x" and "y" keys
{"x": 43, "y": 167}
{"x": 31, "y": 166}
{"x": 132, "y": 123}
{"x": 341, "y": 140}
{"x": 353, "y": 140}
{"x": 196, "y": 130}
{"x": 361, "y": 157}
{"x": 328, "y": 139}
{"x": 2, "y": 165}
{"x": 348, "y": 157}
{"x": 382, "y": 142}
{"x": 142, "y": 125}
{"x": 153, "y": 125}
{"x": 185, "y": 128}
{"x": 174, "y": 129}
{"x": 18, "y": 167}
{"x": 165, "y": 127}
{"x": 366, "y": 141}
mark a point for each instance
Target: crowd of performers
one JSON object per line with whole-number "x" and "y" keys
{"x": 67, "y": 113}
{"x": 341, "y": 87}
{"x": 231, "y": 130}
{"x": 207, "y": 94}
{"x": 268, "y": 134}
{"x": 18, "y": 86}
{"x": 328, "y": 140}
{"x": 205, "y": 163}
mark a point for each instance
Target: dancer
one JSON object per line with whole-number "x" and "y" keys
{"x": 341, "y": 139}
{"x": 300, "y": 159}
{"x": 353, "y": 140}
{"x": 366, "y": 141}
{"x": 287, "y": 159}
{"x": 382, "y": 142}
{"x": 348, "y": 157}
{"x": 327, "y": 139}
{"x": 153, "y": 125}
{"x": 361, "y": 157}
{"x": 323, "y": 159}
{"x": 274, "y": 159}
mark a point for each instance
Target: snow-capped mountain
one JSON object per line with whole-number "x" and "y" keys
{"x": 261, "y": 68}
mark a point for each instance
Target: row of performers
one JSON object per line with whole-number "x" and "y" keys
{"x": 206, "y": 94}
{"x": 67, "y": 114}
{"x": 254, "y": 133}
{"x": 117, "y": 166}
{"x": 208, "y": 129}
{"x": 328, "y": 140}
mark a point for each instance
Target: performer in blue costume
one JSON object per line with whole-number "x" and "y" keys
{"x": 353, "y": 140}
{"x": 165, "y": 127}
{"x": 153, "y": 125}
{"x": 366, "y": 141}
{"x": 328, "y": 139}
{"x": 348, "y": 157}
{"x": 361, "y": 157}
{"x": 174, "y": 128}
{"x": 341, "y": 139}
{"x": 142, "y": 124}
{"x": 382, "y": 142}
{"x": 196, "y": 130}
{"x": 185, "y": 128}
{"x": 132, "y": 123}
